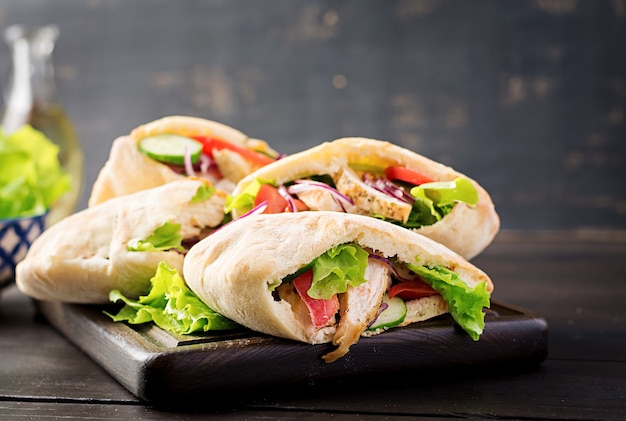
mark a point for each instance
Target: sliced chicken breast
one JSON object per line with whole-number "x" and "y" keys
{"x": 319, "y": 200}
{"x": 369, "y": 199}
{"x": 358, "y": 307}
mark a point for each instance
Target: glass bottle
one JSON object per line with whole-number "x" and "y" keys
{"x": 32, "y": 99}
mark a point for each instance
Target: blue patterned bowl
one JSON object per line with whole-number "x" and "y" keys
{"x": 16, "y": 236}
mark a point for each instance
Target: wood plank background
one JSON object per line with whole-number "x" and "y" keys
{"x": 527, "y": 97}
{"x": 43, "y": 376}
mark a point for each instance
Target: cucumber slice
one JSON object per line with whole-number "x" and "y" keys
{"x": 170, "y": 148}
{"x": 392, "y": 316}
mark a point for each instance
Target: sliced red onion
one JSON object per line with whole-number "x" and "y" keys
{"x": 340, "y": 203}
{"x": 282, "y": 190}
{"x": 205, "y": 163}
{"x": 300, "y": 186}
{"x": 385, "y": 186}
{"x": 391, "y": 266}
{"x": 188, "y": 165}
{"x": 257, "y": 209}
{"x": 383, "y": 307}
{"x": 178, "y": 169}
{"x": 204, "y": 166}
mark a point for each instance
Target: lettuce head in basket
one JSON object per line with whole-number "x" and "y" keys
{"x": 31, "y": 178}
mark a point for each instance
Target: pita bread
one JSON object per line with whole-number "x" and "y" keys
{"x": 128, "y": 170}
{"x": 86, "y": 255}
{"x": 466, "y": 229}
{"x": 233, "y": 271}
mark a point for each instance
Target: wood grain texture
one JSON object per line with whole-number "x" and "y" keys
{"x": 37, "y": 361}
{"x": 528, "y": 98}
{"x": 168, "y": 370}
{"x": 77, "y": 411}
{"x": 583, "y": 377}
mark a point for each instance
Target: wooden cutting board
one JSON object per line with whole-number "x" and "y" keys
{"x": 156, "y": 365}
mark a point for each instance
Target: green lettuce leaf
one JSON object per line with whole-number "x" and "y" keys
{"x": 435, "y": 200}
{"x": 245, "y": 200}
{"x": 170, "y": 305}
{"x": 31, "y": 178}
{"x": 203, "y": 193}
{"x": 464, "y": 303}
{"x": 339, "y": 267}
{"x": 166, "y": 237}
{"x": 444, "y": 193}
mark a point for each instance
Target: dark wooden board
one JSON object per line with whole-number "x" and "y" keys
{"x": 156, "y": 365}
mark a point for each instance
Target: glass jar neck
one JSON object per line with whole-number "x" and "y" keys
{"x": 32, "y": 83}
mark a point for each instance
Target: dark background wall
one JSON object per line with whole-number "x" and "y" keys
{"x": 528, "y": 97}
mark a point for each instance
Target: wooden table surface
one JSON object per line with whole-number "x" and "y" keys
{"x": 491, "y": 88}
{"x": 574, "y": 280}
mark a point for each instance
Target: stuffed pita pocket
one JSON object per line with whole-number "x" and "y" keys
{"x": 176, "y": 147}
{"x": 379, "y": 179}
{"x": 319, "y": 277}
{"x": 119, "y": 244}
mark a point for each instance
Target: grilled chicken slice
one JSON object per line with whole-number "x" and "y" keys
{"x": 369, "y": 199}
{"x": 232, "y": 165}
{"x": 320, "y": 200}
{"x": 358, "y": 307}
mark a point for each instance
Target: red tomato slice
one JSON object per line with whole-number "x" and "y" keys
{"x": 300, "y": 205}
{"x": 275, "y": 202}
{"x": 411, "y": 290}
{"x": 211, "y": 143}
{"x": 407, "y": 175}
{"x": 321, "y": 311}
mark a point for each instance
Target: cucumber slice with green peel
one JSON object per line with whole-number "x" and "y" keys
{"x": 170, "y": 148}
{"x": 392, "y": 315}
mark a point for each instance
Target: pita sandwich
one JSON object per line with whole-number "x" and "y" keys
{"x": 320, "y": 277}
{"x": 379, "y": 179}
{"x": 119, "y": 244}
{"x": 217, "y": 152}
